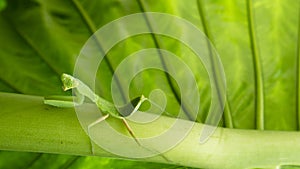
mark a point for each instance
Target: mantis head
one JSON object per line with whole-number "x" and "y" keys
{"x": 68, "y": 81}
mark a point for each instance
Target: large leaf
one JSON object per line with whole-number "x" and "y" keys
{"x": 256, "y": 41}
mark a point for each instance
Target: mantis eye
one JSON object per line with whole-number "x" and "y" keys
{"x": 68, "y": 81}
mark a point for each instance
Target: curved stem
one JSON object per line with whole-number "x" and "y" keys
{"x": 259, "y": 89}
{"x": 36, "y": 127}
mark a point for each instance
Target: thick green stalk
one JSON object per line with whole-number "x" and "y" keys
{"x": 26, "y": 124}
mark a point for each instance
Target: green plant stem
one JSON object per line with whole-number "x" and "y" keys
{"x": 298, "y": 74}
{"x": 259, "y": 87}
{"x": 26, "y": 124}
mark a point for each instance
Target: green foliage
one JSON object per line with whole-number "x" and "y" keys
{"x": 41, "y": 39}
{"x": 12, "y": 160}
{"x": 2, "y": 4}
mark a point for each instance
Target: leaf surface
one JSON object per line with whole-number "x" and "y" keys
{"x": 41, "y": 40}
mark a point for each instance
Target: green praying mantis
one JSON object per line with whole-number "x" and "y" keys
{"x": 81, "y": 91}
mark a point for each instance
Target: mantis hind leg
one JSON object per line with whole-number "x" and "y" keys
{"x": 142, "y": 99}
{"x": 130, "y": 131}
{"x": 92, "y": 125}
{"x": 97, "y": 121}
{"x": 136, "y": 140}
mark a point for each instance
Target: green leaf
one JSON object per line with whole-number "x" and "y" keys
{"x": 2, "y": 4}
{"x": 258, "y": 43}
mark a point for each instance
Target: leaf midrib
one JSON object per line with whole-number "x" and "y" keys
{"x": 163, "y": 62}
{"x": 298, "y": 74}
{"x": 32, "y": 46}
{"x": 92, "y": 28}
{"x": 34, "y": 160}
{"x": 227, "y": 112}
{"x": 259, "y": 91}
{"x": 10, "y": 85}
